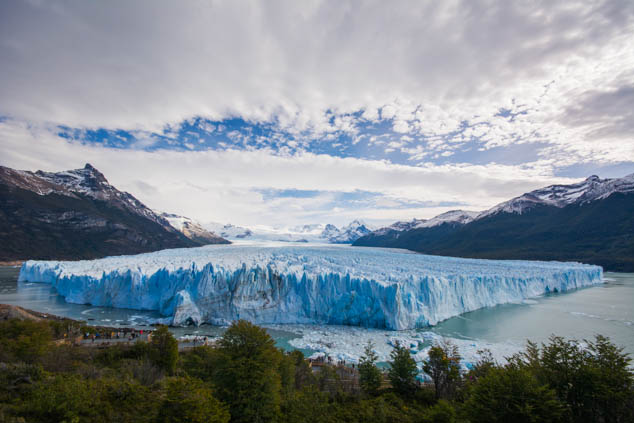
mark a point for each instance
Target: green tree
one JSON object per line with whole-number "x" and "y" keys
{"x": 443, "y": 366}
{"x": 369, "y": 374}
{"x": 201, "y": 362}
{"x": 247, "y": 373}
{"x": 309, "y": 405}
{"x": 593, "y": 381}
{"x": 441, "y": 412}
{"x": 403, "y": 370}
{"x": 613, "y": 381}
{"x": 25, "y": 340}
{"x": 164, "y": 349}
{"x": 286, "y": 370}
{"x": 189, "y": 400}
{"x": 303, "y": 373}
{"x": 67, "y": 398}
{"x": 512, "y": 394}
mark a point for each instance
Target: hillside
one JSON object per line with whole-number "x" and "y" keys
{"x": 591, "y": 222}
{"x": 74, "y": 215}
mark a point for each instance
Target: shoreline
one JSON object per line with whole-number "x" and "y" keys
{"x": 14, "y": 263}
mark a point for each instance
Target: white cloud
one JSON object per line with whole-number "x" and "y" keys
{"x": 432, "y": 66}
{"x": 439, "y": 72}
{"x": 224, "y": 185}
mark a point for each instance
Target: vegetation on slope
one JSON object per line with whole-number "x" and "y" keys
{"x": 245, "y": 378}
{"x": 600, "y": 232}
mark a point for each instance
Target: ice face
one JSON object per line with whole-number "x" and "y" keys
{"x": 359, "y": 286}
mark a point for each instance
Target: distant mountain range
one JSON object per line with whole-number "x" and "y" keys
{"x": 77, "y": 214}
{"x": 591, "y": 221}
{"x": 326, "y": 233}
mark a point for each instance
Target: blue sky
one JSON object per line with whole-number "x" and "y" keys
{"x": 285, "y": 113}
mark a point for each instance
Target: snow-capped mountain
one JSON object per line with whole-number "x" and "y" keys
{"x": 193, "y": 230}
{"x": 591, "y": 189}
{"x": 458, "y": 217}
{"x": 85, "y": 182}
{"x": 329, "y": 232}
{"x": 590, "y": 221}
{"x": 316, "y": 232}
{"x": 348, "y": 234}
{"x": 76, "y": 214}
{"x": 461, "y": 217}
{"x": 229, "y": 231}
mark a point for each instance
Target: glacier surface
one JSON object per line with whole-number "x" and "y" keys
{"x": 340, "y": 285}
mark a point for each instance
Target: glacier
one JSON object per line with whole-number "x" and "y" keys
{"x": 322, "y": 284}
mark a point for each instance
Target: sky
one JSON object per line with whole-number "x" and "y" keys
{"x": 283, "y": 113}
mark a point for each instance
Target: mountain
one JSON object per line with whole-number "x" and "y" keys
{"x": 591, "y": 189}
{"x": 76, "y": 214}
{"x": 230, "y": 231}
{"x": 315, "y": 232}
{"x": 346, "y": 235}
{"x": 193, "y": 230}
{"x": 591, "y": 221}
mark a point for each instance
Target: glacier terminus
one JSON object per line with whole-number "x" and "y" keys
{"x": 321, "y": 284}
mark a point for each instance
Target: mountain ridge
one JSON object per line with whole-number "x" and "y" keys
{"x": 590, "y": 221}
{"x": 76, "y": 214}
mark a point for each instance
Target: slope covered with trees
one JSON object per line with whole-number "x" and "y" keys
{"x": 245, "y": 378}
{"x": 600, "y": 232}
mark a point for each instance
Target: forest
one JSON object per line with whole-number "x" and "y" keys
{"x": 243, "y": 377}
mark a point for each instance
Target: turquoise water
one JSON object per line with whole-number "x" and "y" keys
{"x": 607, "y": 309}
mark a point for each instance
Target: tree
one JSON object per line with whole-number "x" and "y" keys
{"x": 369, "y": 373}
{"x": 441, "y": 412}
{"x": 201, "y": 362}
{"x": 593, "y": 380}
{"x": 62, "y": 398}
{"x": 189, "y": 400}
{"x": 303, "y": 373}
{"x": 286, "y": 370}
{"x": 403, "y": 370}
{"x": 512, "y": 394}
{"x": 443, "y": 366}
{"x": 309, "y": 405}
{"x": 164, "y": 349}
{"x": 247, "y": 373}
{"x": 25, "y": 340}
{"x": 613, "y": 381}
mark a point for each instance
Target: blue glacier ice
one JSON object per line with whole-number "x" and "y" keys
{"x": 360, "y": 286}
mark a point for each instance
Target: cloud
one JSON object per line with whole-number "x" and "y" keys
{"x": 251, "y": 187}
{"x": 326, "y": 95}
{"x": 605, "y": 113}
{"x": 308, "y": 66}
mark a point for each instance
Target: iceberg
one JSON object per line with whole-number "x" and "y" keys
{"x": 335, "y": 285}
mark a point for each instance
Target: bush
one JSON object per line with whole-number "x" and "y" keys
{"x": 163, "y": 349}
{"x": 24, "y": 340}
{"x": 512, "y": 394}
{"x": 593, "y": 381}
{"x": 189, "y": 400}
